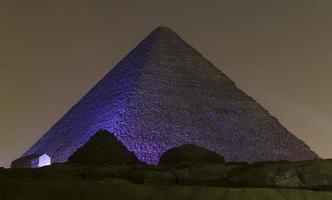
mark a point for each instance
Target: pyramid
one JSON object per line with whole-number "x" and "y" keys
{"x": 165, "y": 94}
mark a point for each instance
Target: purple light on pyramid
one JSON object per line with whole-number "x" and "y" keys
{"x": 164, "y": 94}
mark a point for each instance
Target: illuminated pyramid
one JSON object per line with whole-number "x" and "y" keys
{"x": 164, "y": 94}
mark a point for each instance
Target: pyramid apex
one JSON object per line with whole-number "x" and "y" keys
{"x": 164, "y": 32}
{"x": 163, "y": 29}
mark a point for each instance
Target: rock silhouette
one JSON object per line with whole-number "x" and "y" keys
{"x": 103, "y": 148}
{"x": 190, "y": 154}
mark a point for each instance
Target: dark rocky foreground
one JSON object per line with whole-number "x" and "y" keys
{"x": 104, "y": 168}
{"x": 275, "y": 180}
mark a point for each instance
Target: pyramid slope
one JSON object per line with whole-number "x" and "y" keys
{"x": 164, "y": 94}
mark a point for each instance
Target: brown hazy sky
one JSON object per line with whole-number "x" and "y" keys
{"x": 53, "y": 52}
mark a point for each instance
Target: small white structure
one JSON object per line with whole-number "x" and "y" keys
{"x": 44, "y": 160}
{"x": 32, "y": 161}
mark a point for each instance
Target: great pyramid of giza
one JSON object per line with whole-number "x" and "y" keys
{"x": 164, "y": 94}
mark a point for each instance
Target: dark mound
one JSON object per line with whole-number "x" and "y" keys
{"x": 103, "y": 148}
{"x": 190, "y": 153}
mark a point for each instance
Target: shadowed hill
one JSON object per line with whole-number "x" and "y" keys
{"x": 190, "y": 154}
{"x": 103, "y": 148}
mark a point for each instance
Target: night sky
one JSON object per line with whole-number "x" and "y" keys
{"x": 53, "y": 52}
